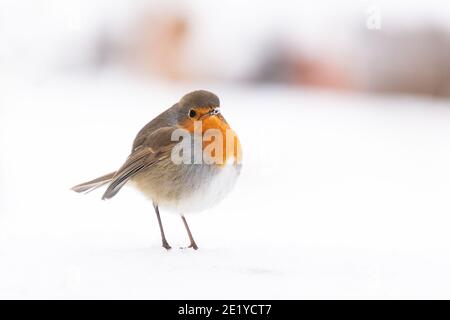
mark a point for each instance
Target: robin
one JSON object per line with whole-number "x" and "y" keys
{"x": 186, "y": 159}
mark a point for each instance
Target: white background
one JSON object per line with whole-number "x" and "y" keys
{"x": 341, "y": 196}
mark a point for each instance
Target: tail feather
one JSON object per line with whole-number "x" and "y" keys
{"x": 87, "y": 187}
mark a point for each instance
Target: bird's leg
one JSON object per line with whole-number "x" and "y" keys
{"x": 193, "y": 245}
{"x": 165, "y": 244}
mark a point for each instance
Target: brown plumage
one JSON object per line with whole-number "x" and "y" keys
{"x": 184, "y": 187}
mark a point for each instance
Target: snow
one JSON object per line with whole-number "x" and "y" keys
{"x": 340, "y": 196}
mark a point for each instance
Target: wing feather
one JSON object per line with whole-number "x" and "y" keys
{"x": 158, "y": 146}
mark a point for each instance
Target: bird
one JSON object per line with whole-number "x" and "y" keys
{"x": 185, "y": 160}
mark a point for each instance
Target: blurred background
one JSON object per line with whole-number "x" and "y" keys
{"x": 343, "y": 110}
{"x": 381, "y": 47}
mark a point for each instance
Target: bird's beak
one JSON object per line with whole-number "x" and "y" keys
{"x": 213, "y": 112}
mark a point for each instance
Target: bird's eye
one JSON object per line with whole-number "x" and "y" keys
{"x": 192, "y": 113}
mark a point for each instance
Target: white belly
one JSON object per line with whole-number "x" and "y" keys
{"x": 210, "y": 192}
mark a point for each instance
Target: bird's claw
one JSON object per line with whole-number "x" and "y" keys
{"x": 192, "y": 245}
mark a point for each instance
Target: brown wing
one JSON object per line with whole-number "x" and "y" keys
{"x": 87, "y": 187}
{"x": 158, "y": 146}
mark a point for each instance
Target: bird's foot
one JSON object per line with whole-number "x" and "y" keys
{"x": 166, "y": 245}
{"x": 192, "y": 245}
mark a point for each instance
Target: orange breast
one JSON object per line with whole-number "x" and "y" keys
{"x": 231, "y": 147}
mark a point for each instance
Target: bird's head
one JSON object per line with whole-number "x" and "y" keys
{"x": 199, "y": 105}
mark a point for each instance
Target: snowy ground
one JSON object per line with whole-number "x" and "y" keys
{"x": 340, "y": 197}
